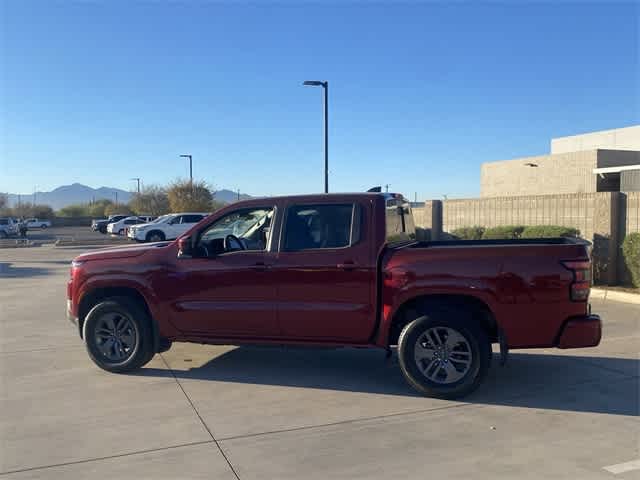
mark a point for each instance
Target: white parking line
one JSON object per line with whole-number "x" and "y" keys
{"x": 623, "y": 467}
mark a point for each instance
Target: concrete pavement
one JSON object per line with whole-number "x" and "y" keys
{"x": 267, "y": 413}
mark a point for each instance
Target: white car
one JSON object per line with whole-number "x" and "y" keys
{"x": 37, "y": 223}
{"x": 167, "y": 227}
{"x": 120, "y": 227}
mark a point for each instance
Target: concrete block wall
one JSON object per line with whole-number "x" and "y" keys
{"x": 632, "y": 214}
{"x": 596, "y": 215}
{"x": 627, "y": 138}
{"x": 563, "y": 173}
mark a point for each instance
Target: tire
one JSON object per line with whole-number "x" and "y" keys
{"x": 43, "y": 227}
{"x": 3, "y": 234}
{"x": 155, "y": 236}
{"x": 140, "y": 349}
{"x": 121, "y": 232}
{"x": 439, "y": 371}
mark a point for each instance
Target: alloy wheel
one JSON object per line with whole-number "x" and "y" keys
{"x": 443, "y": 355}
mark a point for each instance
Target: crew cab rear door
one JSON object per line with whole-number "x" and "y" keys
{"x": 325, "y": 272}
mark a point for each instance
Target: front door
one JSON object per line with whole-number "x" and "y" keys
{"x": 325, "y": 274}
{"x": 226, "y": 289}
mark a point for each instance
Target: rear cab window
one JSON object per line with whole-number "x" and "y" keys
{"x": 321, "y": 226}
{"x": 399, "y": 223}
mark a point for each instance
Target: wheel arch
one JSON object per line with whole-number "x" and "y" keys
{"x": 422, "y": 304}
{"x": 98, "y": 294}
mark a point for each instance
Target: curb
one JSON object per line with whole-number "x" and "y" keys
{"x": 614, "y": 295}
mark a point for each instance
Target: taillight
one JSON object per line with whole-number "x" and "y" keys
{"x": 581, "y": 284}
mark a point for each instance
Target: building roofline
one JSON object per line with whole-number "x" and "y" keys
{"x": 624, "y": 168}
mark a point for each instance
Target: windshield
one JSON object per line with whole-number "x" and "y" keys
{"x": 162, "y": 219}
{"x": 242, "y": 225}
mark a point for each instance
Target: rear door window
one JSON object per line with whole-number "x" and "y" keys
{"x": 321, "y": 226}
{"x": 191, "y": 218}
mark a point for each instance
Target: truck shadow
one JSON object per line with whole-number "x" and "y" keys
{"x": 8, "y": 270}
{"x": 530, "y": 380}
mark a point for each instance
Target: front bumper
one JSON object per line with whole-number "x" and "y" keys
{"x": 581, "y": 332}
{"x": 72, "y": 318}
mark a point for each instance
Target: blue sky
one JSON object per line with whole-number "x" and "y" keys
{"x": 420, "y": 93}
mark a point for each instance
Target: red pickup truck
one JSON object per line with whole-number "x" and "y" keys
{"x": 335, "y": 270}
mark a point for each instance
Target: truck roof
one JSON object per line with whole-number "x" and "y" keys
{"x": 347, "y": 196}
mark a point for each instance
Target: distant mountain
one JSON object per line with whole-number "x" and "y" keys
{"x": 227, "y": 196}
{"x": 70, "y": 194}
{"x": 78, "y": 193}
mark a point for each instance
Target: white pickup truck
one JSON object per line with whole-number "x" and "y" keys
{"x": 167, "y": 227}
{"x": 8, "y": 227}
{"x": 37, "y": 223}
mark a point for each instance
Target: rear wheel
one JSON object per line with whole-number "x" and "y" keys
{"x": 118, "y": 336}
{"x": 43, "y": 227}
{"x": 155, "y": 236}
{"x": 444, "y": 353}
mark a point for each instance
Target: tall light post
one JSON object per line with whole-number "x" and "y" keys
{"x": 190, "y": 168}
{"x": 137, "y": 179}
{"x": 325, "y": 89}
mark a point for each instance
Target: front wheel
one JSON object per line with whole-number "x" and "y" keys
{"x": 444, "y": 354}
{"x": 155, "y": 236}
{"x": 43, "y": 227}
{"x": 117, "y": 333}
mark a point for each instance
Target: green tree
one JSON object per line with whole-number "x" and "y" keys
{"x": 42, "y": 212}
{"x": 4, "y": 201}
{"x": 153, "y": 200}
{"x": 120, "y": 209}
{"x": 97, "y": 208}
{"x": 184, "y": 197}
{"x": 77, "y": 210}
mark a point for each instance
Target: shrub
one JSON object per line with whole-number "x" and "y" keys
{"x": 186, "y": 197}
{"x": 631, "y": 254}
{"x": 546, "y": 231}
{"x": 504, "y": 232}
{"x": 468, "y": 233}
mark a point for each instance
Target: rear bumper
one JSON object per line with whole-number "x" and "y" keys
{"x": 580, "y": 332}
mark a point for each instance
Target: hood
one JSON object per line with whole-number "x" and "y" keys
{"x": 138, "y": 225}
{"x": 120, "y": 252}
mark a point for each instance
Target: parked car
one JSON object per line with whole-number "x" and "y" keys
{"x": 8, "y": 227}
{"x": 37, "y": 223}
{"x": 119, "y": 227}
{"x": 100, "y": 225}
{"x": 167, "y": 227}
{"x": 336, "y": 270}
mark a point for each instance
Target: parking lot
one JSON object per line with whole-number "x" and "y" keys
{"x": 271, "y": 413}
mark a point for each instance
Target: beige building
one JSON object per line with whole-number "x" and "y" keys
{"x": 593, "y": 162}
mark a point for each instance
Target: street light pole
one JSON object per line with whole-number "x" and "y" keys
{"x": 190, "y": 168}
{"x": 325, "y": 90}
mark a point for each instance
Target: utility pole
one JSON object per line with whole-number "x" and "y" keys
{"x": 238, "y": 194}
{"x": 34, "y": 194}
{"x": 137, "y": 179}
{"x": 116, "y": 193}
{"x": 386, "y": 188}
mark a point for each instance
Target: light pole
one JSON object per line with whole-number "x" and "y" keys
{"x": 190, "y": 168}
{"x": 137, "y": 179}
{"x": 325, "y": 89}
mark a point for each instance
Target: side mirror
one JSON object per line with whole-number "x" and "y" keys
{"x": 184, "y": 247}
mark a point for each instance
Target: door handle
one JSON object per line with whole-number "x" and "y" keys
{"x": 347, "y": 265}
